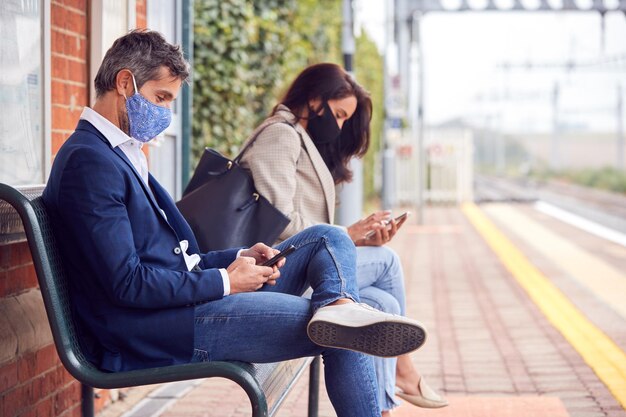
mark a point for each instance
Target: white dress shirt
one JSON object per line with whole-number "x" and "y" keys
{"x": 132, "y": 149}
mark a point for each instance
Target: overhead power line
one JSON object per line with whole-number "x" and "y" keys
{"x": 602, "y": 63}
{"x": 425, "y": 6}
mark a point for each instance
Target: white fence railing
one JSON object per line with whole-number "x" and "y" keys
{"x": 448, "y": 171}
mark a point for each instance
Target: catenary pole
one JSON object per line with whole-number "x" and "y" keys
{"x": 418, "y": 128}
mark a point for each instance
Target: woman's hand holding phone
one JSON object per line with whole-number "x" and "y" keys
{"x": 358, "y": 230}
{"x": 383, "y": 232}
{"x": 389, "y": 223}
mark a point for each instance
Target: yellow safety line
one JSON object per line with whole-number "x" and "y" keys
{"x": 606, "y": 359}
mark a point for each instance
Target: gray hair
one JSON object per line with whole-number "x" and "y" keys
{"x": 143, "y": 52}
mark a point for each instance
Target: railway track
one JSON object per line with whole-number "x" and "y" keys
{"x": 602, "y": 207}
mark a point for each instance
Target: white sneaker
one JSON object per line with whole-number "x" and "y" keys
{"x": 359, "y": 327}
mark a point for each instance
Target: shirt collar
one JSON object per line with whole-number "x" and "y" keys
{"x": 112, "y": 133}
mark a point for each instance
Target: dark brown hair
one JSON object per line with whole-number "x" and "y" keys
{"x": 328, "y": 81}
{"x": 143, "y": 52}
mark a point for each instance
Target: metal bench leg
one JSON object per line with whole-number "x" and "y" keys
{"x": 314, "y": 387}
{"x": 87, "y": 405}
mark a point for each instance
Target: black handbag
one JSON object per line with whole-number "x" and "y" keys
{"x": 223, "y": 207}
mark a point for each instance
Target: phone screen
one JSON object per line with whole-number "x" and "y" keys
{"x": 272, "y": 261}
{"x": 402, "y": 216}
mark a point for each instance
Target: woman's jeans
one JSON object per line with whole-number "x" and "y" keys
{"x": 381, "y": 285}
{"x": 269, "y": 325}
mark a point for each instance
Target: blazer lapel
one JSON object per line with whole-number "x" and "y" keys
{"x": 83, "y": 124}
{"x": 144, "y": 186}
{"x": 324, "y": 175}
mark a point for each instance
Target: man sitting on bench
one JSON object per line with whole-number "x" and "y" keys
{"x": 144, "y": 296}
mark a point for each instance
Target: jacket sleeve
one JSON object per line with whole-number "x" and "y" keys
{"x": 219, "y": 258}
{"x": 273, "y": 162}
{"x": 99, "y": 237}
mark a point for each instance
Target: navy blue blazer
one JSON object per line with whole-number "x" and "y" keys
{"x": 131, "y": 292}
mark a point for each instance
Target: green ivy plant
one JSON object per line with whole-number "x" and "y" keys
{"x": 246, "y": 53}
{"x": 273, "y": 26}
{"x": 239, "y": 53}
{"x": 221, "y": 78}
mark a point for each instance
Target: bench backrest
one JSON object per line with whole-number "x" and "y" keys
{"x": 52, "y": 278}
{"x": 266, "y": 384}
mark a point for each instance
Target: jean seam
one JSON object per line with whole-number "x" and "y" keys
{"x": 333, "y": 257}
{"x": 202, "y": 319}
{"x": 342, "y": 292}
{"x": 373, "y": 382}
{"x": 332, "y": 300}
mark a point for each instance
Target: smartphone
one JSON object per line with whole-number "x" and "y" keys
{"x": 386, "y": 222}
{"x": 275, "y": 259}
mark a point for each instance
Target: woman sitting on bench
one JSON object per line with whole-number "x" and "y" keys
{"x": 301, "y": 153}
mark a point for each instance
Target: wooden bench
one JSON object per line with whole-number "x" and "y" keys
{"x": 266, "y": 385}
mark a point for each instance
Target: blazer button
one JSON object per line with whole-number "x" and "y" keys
{"x": 177, "y": 250}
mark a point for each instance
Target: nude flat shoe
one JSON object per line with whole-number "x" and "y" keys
{"x": 427, "y": 398}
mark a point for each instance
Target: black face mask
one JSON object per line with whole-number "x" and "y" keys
{"x": 323, "y": 129}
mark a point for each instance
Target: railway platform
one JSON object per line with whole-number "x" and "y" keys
{"x": 526, "y": 317}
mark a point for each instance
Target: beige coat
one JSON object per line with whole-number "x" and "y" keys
{"x": 289, "y": 171}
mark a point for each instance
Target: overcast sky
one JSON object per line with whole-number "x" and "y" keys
{"x": 462, "y": 52}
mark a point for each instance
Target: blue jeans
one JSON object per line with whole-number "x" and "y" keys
{"x": 269, "y": 325}
{"x": 381, "y": 285}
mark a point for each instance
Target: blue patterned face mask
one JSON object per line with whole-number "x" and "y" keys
{"x": 146, "y": 119}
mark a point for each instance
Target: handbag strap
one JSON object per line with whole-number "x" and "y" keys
{"x": 271, "y": 121}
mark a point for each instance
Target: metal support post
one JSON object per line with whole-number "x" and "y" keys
{"x": 314, "y": 387}
{"x": 602, "y": 31}
{"x": 351, "y": 195}
{"x": 500, "y": 145}
{"x": 87, "y": 404}
{"x": 419, "y": 120}
{"x": 389, "y": 179}
{"x": 187, "y": 93}
{"x": 620, "y": 129}
{"x": 388, "y": 154}
{"x": 555, "y": 158}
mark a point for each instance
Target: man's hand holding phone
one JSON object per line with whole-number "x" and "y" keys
{"x": 255, "y": 267}
{"x": 279, "y": 257}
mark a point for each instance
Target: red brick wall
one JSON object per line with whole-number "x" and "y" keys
{"x": 70, "y": 69}
{"x": 33, "y": 383}
{"x": 16, "y": 270}
{"x": 32, "y": 380}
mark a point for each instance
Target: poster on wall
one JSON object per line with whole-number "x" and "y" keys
{"x": 21, "y": 93}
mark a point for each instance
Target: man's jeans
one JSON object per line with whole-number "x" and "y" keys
{"x": 381, "y": 285}
{"x": 269, "y": 325}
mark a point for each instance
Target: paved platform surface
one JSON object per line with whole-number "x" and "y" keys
{"x": 490, "y": 350}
